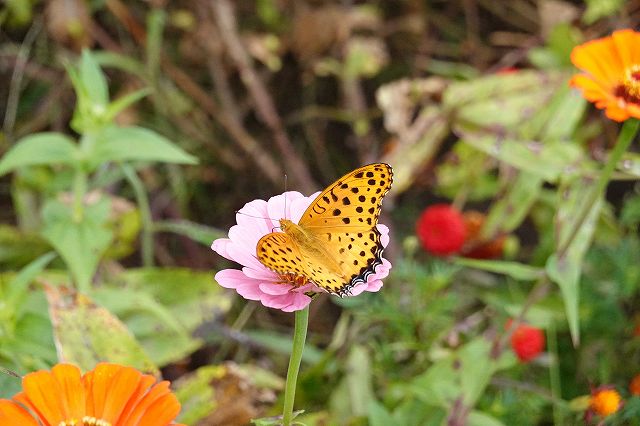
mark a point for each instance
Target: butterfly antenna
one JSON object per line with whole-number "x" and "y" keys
{"x": 255, "y": 217}
{"x": 285, "y": 195}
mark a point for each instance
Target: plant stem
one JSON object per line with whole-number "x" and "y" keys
{"x": 299, "y": 336}
{"x": 145, "y": 214}
{"x": 79, "y": 191}
{"x": 626, "y": 136}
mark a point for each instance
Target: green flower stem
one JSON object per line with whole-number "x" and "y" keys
{"x": 626, "y": 136}
{"x": 299, "y": 336}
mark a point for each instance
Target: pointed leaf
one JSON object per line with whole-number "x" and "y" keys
{"x": 40, "y": 149}
{"x": 515, "y": 270}
{"x": 86, "y": 333}
{"x": 80, "y": 243}
{"x": 93, "y": 80}
{"x": 547, "y": 160}
{"x": 136, "y": 144}
{"x": 564, "y": 268}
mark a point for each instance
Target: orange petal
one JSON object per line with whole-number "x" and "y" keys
{"x": 633, "y": 110}
{"x": 122, "y": 387}
{"x": 161, "y": 412}
{"x": 73, "y": 395}
{"x": 43, "y": 394}
{"x": 600, "y": 59}
{"x": 615, "y": 112}
{"x": 158, "y": 407}
{"x": 97, "y": 386}
{"x": 143, "y": 387}
{"x": 592, "y": 90}
{"x": 11, "y": 414}
{"x": 627, "y": 44}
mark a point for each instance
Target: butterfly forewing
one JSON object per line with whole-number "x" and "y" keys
{"x": 352, "y": 202}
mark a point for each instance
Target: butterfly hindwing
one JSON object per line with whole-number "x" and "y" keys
{"x": 357, "y": 255}
{"x": 279, "y": 253}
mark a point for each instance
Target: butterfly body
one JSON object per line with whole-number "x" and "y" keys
{"x": 335, "y": 244}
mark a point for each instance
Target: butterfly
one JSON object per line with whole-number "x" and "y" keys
{"x": 335, "y": 244}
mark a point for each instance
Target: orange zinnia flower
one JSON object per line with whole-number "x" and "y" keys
{"x": 109, "y": 395}
{"x": 605, "y": 401}
{"x": 612, "y": 73}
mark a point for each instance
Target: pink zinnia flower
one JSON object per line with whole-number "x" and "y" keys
{"x": 254, "y": 281}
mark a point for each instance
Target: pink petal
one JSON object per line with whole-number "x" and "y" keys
{"x": 220, "y": 247}
{"x": 299, "y": 206}
{"x": 241, "y": 256}
{"x": 231, "y": 278}
{"x": 374, "y": 285}
{"x": 274, "y": 289}
{"x": 244, "y": 238}
{"x": 384, "y": 234}
{"x": 262, "y": 274}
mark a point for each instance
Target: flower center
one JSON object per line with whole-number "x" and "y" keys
{"x": 86, "y": 421}
{"x": 631, "y": 83}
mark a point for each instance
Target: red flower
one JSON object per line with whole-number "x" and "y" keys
{"x": 527, "y": 342}
{"x": 441, "y": 230}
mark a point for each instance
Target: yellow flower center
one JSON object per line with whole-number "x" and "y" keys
{"x": 631, "y": 81}
{"x": 605, "y": 402}
{"x": 86, "y": 421}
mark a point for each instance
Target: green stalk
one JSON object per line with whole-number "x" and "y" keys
{"x": 79, "y": 190}
{"x": 299, "y": 336}
{"x": 554, "y": 373}
{"x": 145, "y": 214}
{"x": 626, "y": 136}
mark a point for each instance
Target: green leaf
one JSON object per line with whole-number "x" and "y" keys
{"x": 196, "y": 395}
{"x": 19, "y": 284}
{"x": 163, "y": 307}
{"x": 558, "y": 121}
{"x": 93, "y": 80}
{"x": 359, "y": 380}
{"x": 81, "y": 244}
{"x": 500, "y": 101}
{"x": 477, "y": 418}
{"x": 464, "y": 374}
{"x": 197, "y": 232}
{"x": 47, "y": 148}
{"x": 379, "y": 416}
{"x": 86, "y": 333}
{"x": 515, "y": 270}
{"x": 547, "y": 160}
{"x": 597, "y": 9}
{"x": 508, "y": 212}
{"x": 135, "y": 144}
{"x": 120, "y": 104}
{"x": 564, "y": 268}
{"x": 18, "y": 248}
{"x": 121, "y": 62}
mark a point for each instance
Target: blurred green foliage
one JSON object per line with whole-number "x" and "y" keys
{"x": 182, "y": 114}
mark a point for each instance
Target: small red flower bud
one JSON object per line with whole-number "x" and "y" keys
{"x": 475, "y": 247}
{"x": 527, "y": 342}
{"x": 441, "y": 230}
{"x": 634, "y": 386}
